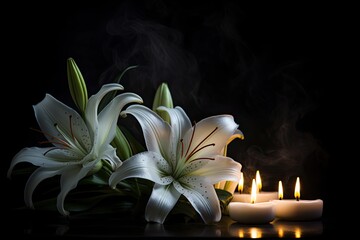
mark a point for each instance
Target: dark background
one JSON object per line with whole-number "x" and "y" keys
{"x": 265, "y": 64}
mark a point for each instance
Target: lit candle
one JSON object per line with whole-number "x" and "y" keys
{"x": 297, "y": 209}
{"x": 241, "y": 183}
{"x": 261, "y": 196}
{"x": 258, "y": 180}
{"x": 280, "y": 191}
{"x": 252, "y": 212}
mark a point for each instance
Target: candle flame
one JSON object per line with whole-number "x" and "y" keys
{"x": 258, "y": 181}
{"x": 297, "y": 189}
{"x": 280, "y": 191}
{"x": 253, "y": 191}
{"x": 241, "y": 183}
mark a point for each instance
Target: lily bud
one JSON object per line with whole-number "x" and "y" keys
{"x": 77, "y": 85}
{"x": 123, "y": 149}
{"x": 163, "y": 98}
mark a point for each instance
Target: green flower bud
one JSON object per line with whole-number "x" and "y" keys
{"x": 163, "y": 98}
{"x": 77, "y": 85}
{"x": 123, "y": 149}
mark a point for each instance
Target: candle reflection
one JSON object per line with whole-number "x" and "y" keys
{"x": 280, "y": 232}
{"x": 251, "y": 231}
{"x": 241, "y": 233}
{"x": 297, "y": 233}
{"x": 255, "y": 232}
{"x": 277, "y": 228}
{"x": 297, "y": 229}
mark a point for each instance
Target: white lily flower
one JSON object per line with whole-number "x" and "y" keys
{"x": 79, "y": 144}
{"x": 181, "y": 160}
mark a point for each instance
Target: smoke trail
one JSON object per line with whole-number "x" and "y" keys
{"x": 221, "y": 58}
{"x": 158, "y": 52}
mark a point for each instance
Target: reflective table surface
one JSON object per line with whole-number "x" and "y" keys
{"x": 35, "y": 225}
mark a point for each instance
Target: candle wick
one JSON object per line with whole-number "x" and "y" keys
{"x": 280, "y": 198}
{"x": 297, "y": 198}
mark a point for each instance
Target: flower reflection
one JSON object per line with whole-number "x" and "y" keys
{"x": 184, "y": 230}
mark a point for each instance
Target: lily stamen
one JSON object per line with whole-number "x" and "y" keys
{"x": 202, "y": 141}
{"x": 72, "y": 141}
{"x": 71, "y": 129}
{"x": 50, "y": 150}
{"x": 198, "y": 150}
{"x": 182, "y": 147}
{"x": 205, "y": 158}
{"x": 192, "y": 136}
{"x": 60, "y": 141}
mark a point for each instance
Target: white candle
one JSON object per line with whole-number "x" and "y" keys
{"x": 297, "y": 209}
{"x": 261, "y": 196}
{"x": 252, "y": 212}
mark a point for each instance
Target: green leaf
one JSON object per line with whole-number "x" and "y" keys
{"x": 185, "y": 209}
{"x": 95, "y": 179}
{"x": 225, "y": 198}
{"x": 135, "y": 145}
{"x": 224, "y": 195}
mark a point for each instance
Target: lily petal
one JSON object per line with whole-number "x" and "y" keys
{"x": 37, "y": 157}
{"x": 202, "y": 196}
{"x": 156, "y": 131}
{"x": 180, "y": 123}
{"x": 161, "y": 202}
{"x": 212, "y": 130}
{"x": 221, "y": 168}
{"x": 35, "y": 178}
{"x": 52, "y": 115}
{"x": 110, "y": 155}
{"x": 91, "y": 112}
{"x": 69, "y": 180}
{"x": 109, "y": 115}
{"x": 147, "y": 165}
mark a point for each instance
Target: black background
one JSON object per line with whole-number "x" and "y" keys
{"x": 265, "y": 64}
